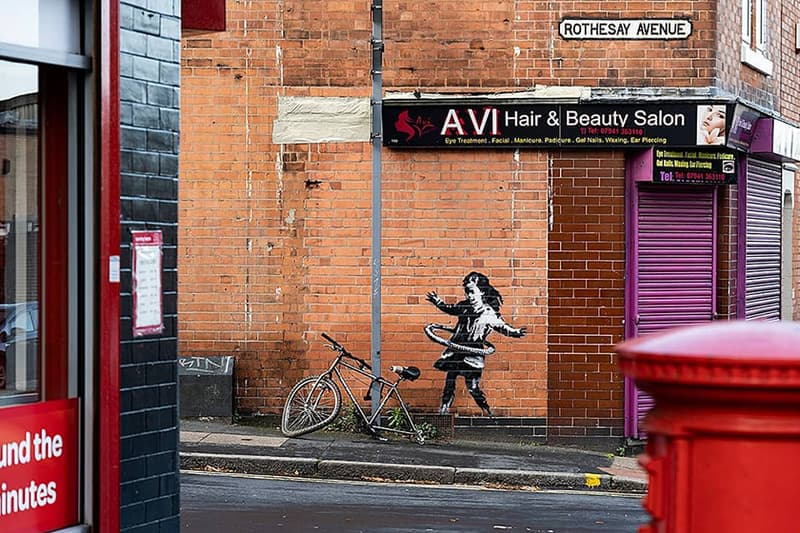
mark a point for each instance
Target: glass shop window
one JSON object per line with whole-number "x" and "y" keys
{"x": 19, "y": 232}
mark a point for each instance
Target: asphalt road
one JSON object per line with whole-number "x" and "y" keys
{"x": 246, "y": 504}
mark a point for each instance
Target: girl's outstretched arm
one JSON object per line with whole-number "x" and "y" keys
{"x": 501, "y": 326}
{"x": 440, "y": 304}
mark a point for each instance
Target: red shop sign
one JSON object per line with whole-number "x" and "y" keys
{"x": 39, "y": 466}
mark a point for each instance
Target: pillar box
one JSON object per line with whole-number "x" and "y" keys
{"x": 723, "y": 440}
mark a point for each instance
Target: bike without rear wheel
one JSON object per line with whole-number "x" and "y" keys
{"x": 312, "y": 405}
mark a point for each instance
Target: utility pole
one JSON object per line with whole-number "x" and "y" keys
{"x": 376, "y": 137}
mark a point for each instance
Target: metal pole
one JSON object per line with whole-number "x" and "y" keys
{"x": 375, "y": 134}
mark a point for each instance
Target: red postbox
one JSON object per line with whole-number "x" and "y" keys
{"x": 723, "y": 449}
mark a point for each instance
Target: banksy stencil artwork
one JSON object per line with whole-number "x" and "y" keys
{"x": 466, "y": 349}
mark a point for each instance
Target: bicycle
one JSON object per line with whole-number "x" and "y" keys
{"x": 314, "y": 402}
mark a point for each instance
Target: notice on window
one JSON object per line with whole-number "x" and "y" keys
{"x": 148, "y": 316}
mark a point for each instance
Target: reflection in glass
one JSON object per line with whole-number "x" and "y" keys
{"x": 53, "y": 24}
{"x": 19, "y": 230}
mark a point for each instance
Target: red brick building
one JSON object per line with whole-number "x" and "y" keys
{"x": 276, "y": 182}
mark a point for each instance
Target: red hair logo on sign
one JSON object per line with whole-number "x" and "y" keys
{"x": 413, "y": 127}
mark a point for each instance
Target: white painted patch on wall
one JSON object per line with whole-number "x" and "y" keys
{"x": 313, "y": 119}
{"x": 290, "y": 217}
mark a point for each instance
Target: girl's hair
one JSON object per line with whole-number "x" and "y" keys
{"x": 490, "y": 294}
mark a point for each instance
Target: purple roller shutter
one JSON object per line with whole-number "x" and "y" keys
{"x": 675, "y": 283}
{"x": 763, "y": 237}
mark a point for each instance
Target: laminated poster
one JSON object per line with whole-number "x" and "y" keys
{"x": 148, "y": 316}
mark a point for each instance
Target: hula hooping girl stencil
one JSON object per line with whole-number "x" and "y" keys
{"x": 466, "y": 349}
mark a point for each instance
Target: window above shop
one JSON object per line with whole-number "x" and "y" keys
{"x": 754, "y": 36}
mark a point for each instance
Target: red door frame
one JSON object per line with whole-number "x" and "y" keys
{"x": 53, "y": 291}
{"x": 107, "y": 480}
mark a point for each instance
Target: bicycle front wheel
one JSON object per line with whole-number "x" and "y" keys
{"x": 313, "y": 403}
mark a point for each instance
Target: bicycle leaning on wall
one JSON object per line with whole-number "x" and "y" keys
{"x": 314, "y": 402}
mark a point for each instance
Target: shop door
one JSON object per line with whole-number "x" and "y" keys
{"x": 39, "y": 417}
{"x": 49, "y": 197}
{"x": 674, "y": 281}
{"x": 764, "y": 210}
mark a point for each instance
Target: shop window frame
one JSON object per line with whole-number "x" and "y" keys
{"x": 62, "y": 97}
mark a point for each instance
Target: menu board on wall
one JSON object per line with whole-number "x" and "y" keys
{"x": 147, "y": 301}
{"x": 702, "y": 167}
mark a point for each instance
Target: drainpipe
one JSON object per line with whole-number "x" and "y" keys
{"x": 787, "y": 242}
{"x": 375, "y": 135}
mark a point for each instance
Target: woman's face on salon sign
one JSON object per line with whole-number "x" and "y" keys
{"x": 715, "y": 119}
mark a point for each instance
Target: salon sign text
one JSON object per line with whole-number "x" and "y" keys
{"x": 624, "y": 29}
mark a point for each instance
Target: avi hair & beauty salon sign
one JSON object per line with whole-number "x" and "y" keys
{"x": 624, "y": 29}
{"x": 492, "y": 125}
{"x": 39, "y": 466}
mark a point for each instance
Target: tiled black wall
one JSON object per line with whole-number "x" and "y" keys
{"x": 150, "y": 33}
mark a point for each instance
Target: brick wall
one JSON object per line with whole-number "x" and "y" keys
{"x": 275, "y": 240}
{"x": 324, "y": 42}
{"x": 790, "y": 67}
{"x": 456, "y": 45}
{"x": 149, "y": 117}
{"x": 447, "y": 214}
{"x": 727, "y": 257}
{"x": 461, "y": 212}
{"x": 742, "y": 80}
{"x": 235, "y": 212}
{"x": 586, "y": 262}
{"x": 470, "y": 211}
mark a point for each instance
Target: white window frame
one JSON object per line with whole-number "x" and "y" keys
{"x": 754, "y": 36}
{"x": 747, "y": 21}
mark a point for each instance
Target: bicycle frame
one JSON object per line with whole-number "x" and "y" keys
{"x": 373, "y": 421}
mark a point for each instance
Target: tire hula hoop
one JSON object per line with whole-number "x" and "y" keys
{"x": 429, "y": 331}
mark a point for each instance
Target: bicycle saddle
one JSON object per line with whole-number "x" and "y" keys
{"x": 407, "y": 372}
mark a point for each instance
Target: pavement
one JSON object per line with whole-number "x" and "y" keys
{"x": 221, "y": 446}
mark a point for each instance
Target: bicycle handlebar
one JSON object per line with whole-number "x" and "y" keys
{"x": 341, "y": 349}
